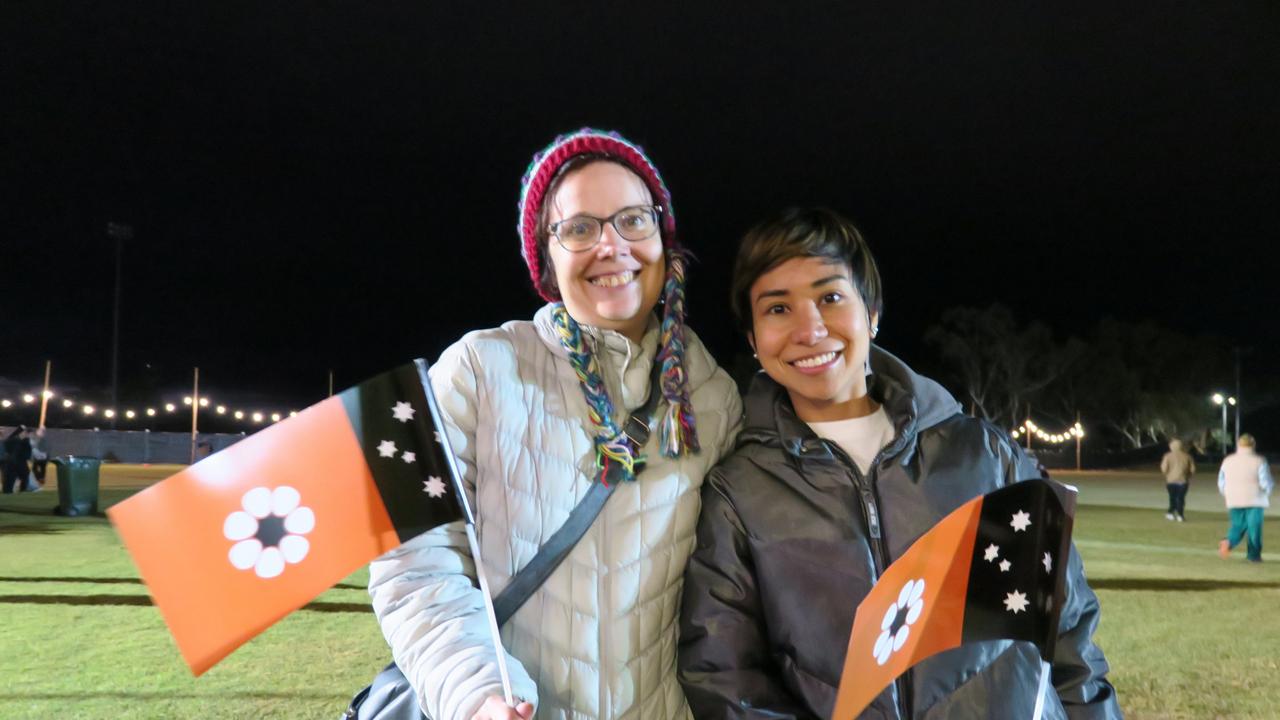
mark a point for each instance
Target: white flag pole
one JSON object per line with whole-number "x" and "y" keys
{"x": 493, "y": 618}
{"x": 469, "y": 520}
{"x": 1042, "y": 691}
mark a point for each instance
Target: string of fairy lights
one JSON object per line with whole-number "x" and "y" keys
{"x": 89, "y": 410}
{"x": 1071, "y": 434}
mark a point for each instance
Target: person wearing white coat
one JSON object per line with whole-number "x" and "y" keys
{"x": 1245, "y": 481}
{"x": 533, "y": 412}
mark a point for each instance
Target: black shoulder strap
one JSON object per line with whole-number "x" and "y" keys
{"x": 557, "y": 547}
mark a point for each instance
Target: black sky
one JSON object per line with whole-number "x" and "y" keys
{"x": 333, "y": 184}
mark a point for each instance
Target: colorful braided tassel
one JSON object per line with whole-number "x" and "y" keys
{"x": 614, "y": 449}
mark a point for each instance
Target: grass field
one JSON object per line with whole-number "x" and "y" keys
{"x": 1188, "y": 635}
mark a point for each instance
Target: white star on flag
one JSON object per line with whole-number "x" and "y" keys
{"x": 433, "y": 486}
{"x": 1005, "y": 565}
{"x": 992, "y": 552}
{"x": 1021, "y": 520}
{"x": 436, "y": 433}
{"x": 1048, "y": 563}
{"x": 387, "y": 448}
{"x": 409, "y": 456}
{"x": 1015, "y": 602}
{"x": 403, "y": 411}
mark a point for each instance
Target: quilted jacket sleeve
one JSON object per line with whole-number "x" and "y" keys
{"x": 724, "y": 659}
{"x": 423, "y": 592}
{"x": 1079, "y": 667}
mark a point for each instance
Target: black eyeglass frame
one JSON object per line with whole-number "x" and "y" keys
{"x": 554, "y": 228}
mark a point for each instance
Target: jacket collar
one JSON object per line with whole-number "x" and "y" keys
{"x": 624, "y": 364}
{"x": 912, "y": 402}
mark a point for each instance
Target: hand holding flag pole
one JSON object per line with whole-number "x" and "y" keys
{"x": 237, "y": 541}
{"x": 993, "y": 568}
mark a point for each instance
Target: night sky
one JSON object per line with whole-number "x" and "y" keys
{"x": 319, "y": 185}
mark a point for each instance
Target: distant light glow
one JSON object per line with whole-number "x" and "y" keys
{"x": 151, "y": 412}
{"x": 67, "y": 403}
{"x": 204, "y": 402}
{"x": 28, "y": 398}
{"x": 88, "y": 410}
{"x": 186, "y": 400}
{"x": 109, "y": 413}
{"x": 130, "y": 414}
{"x": 170, "y": 407}
{"x": 221, "y": 409}
{"x": 239, "y": 414}
{"x": 47, "y": 394}
{"x": 257, "y": 417}
{"x": 275, "y": 417}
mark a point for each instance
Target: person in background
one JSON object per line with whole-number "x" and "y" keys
{"x": 1245, "y": 482}
{"x": 1178, "y": 467}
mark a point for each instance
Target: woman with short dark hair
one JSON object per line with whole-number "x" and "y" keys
{"x": 847, "y": 456}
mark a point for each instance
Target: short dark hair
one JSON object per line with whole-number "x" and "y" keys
{"x": 802, "y": 233}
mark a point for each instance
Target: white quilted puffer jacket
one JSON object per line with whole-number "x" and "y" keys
{"x": 598, "y": 639}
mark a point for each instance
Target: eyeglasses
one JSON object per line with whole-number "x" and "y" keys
{"x": 583, "y": 232}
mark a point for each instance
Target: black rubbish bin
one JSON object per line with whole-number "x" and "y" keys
{"x": 77, "y": 485}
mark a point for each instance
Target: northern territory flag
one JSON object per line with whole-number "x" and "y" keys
{"x": 244, "y": 537}
{"x": 993, "y": 568}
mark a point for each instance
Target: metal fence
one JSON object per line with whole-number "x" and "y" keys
{"x": 132, "y": 446}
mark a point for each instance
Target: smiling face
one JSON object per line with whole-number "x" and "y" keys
{"x": 811, "y": 333}
{"x": 614, "y": 285}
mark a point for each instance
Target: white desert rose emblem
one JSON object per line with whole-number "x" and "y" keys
{"x": 268, "y": 532}
{"x": 896, "y": 626}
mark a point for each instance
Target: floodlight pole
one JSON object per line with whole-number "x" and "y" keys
{"x": 195, "y": 412}
{"x": 44, "y": 394}
{"x": 1224, "y": 432}
{"x": 119, "y": 233}
{"x": 1078, "y": 438}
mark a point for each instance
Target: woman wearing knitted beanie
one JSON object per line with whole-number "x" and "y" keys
{"x": 534, "y": 410}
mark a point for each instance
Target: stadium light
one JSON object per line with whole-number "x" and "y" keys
{"x": 151, "y": 412}
{"x": 28, "y": 398}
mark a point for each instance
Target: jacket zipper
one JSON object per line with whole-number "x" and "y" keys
{"x": 879, "y": 557}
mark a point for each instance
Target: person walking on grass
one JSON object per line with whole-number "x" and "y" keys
{"x": 1245, "y": 481}
{"x": 1178, "y": 467}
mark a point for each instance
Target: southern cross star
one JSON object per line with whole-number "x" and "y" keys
{"x": 1005, "y": 565}
{"x": 1015, "y": 602}
{"x": 409, "y": 456}
{"x": 387, "y": 448}
{"x": 403, "y": 411}
{"x": 992, "y": 552}
{"x": 1021, "y": 520}
{"x": 433, "y": 486}
{"x": 1048, "y": 563}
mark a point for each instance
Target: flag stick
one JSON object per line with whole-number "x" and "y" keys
{"x": 469, "y": 521}
{"x": 1044, "y": 688}
{"x": 44, "y": 394}
{"x": 493, "y": 618}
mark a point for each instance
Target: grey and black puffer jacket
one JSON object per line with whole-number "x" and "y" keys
{"x": 792, "y": 537}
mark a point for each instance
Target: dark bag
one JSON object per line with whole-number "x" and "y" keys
{"x": 390, "y": 697}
